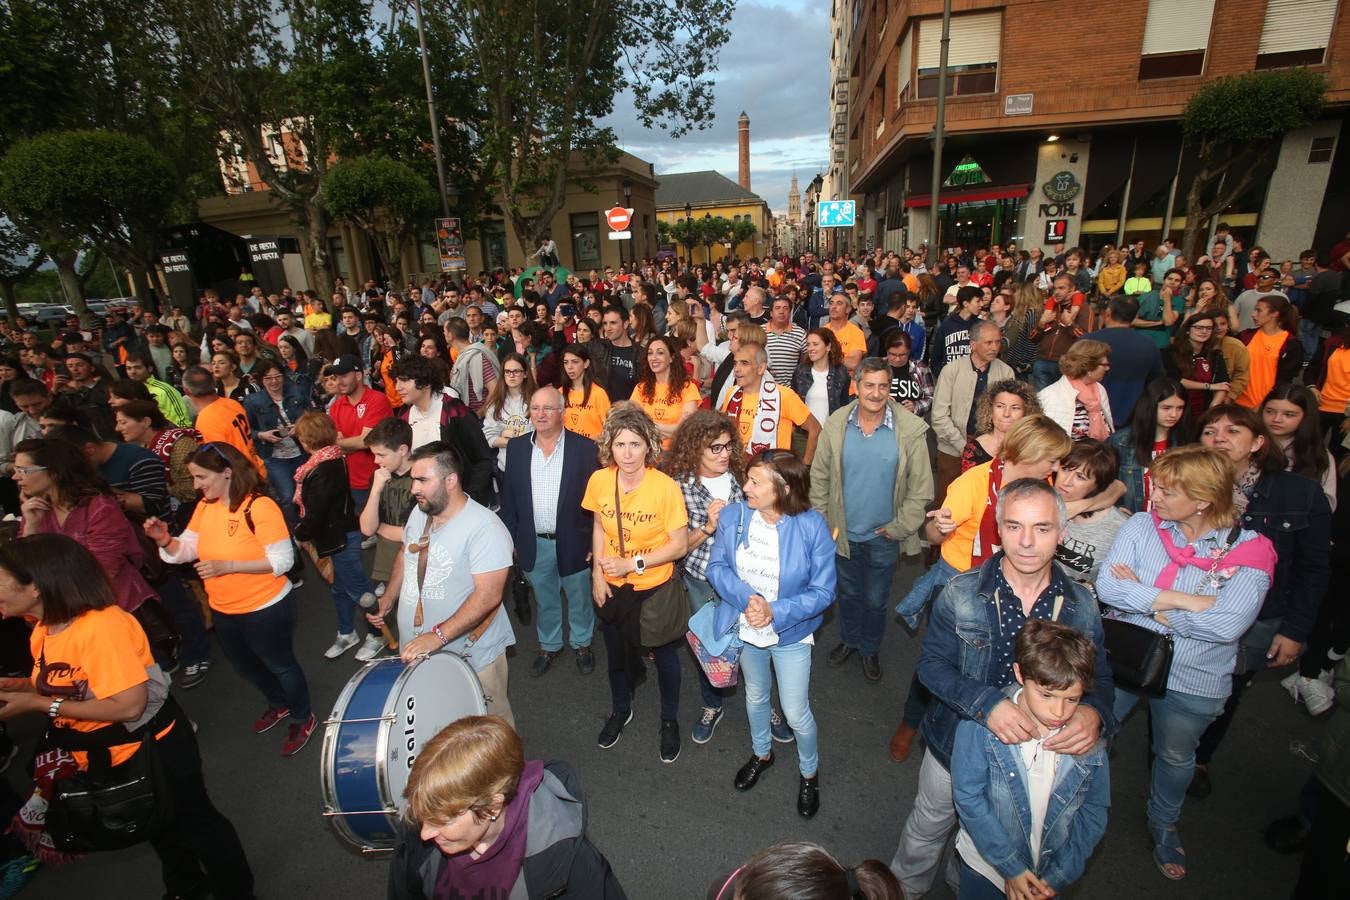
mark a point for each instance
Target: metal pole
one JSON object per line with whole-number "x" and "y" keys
{"x": 431, "y": 111}
{"x": 936, "y": 184}
{"x": 1125, "y": 200}
{"x": 1171, "y": 201}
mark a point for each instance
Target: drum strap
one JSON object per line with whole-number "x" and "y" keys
{"x": 420, "y": 548}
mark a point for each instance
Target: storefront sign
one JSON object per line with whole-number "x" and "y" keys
{"x": 450, "y": 244}
{"x": 1062, "y": 188}
{"x": 1018, "y": 104}
{"x": 1056, "y": 230}
{"x": 1057, "y": 209}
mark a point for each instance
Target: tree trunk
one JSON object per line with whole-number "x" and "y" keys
{"x": 314, "y": 219}
{"x": 11, "y": 302}
{"x": 1195, "y": 214}
{"x": 70, "y": 281}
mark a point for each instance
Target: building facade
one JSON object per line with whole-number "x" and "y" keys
{"x": 711, "y": 194}
{"x": 1075, "y": 135}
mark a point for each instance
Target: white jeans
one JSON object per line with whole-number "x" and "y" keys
{"x": 927, "y": 832}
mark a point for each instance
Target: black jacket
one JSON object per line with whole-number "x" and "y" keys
{"x": 463, "y": 430}
{"x": 1293, "y": 512}
{"x": 559, "y": 859}
{"x": 330, "y": 511}
{"x": 573, "y": 524}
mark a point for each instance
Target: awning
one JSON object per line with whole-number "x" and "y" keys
{"x": 1005, "y": 192}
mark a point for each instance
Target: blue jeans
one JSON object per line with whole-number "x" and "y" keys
{"x": 359, "y": 498}
{"x": 1044, "y": 372}
{"x": 863, "y": 589}
{"x": 259, "y": 646}
{"x": 549, "y": 587}
{"x": 349, "y": 582}
{"x": 1178, "y": 721}
{"x": 700, "y": 595}
{"x": 182, "y": 604}
{"x": 927, "y": 587}
{"x": 975, "y": 886}
{"x": 792, "y": 662}
{"x": 281, "y": 478}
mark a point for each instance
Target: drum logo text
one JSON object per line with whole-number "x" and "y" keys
{"x": 409, "y": 733}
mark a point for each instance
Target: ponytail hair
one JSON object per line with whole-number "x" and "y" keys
{"x": 802, "y": 871}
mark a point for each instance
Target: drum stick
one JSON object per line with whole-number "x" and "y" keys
{"x": 370, "y": 603}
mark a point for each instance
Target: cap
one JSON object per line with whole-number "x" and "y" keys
{"x": 72, "y": 337}
{"x": 343, "y": 365}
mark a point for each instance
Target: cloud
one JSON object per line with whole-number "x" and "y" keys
{"x": 775, "y": 67}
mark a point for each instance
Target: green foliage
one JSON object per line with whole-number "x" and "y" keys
{"x": 384, "y": 198}
{"x": 1256, "y": 106}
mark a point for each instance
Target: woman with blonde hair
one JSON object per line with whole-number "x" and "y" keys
{"x": 1078, "y": 401}
{"x": 483, "y": 820}
{"x": 1019, "y": 349}
{"x": 1190, "y": 571}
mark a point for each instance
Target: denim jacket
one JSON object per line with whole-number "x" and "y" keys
{"x": 1131, "y": 472}
{"x": 1293, "y": 512}
{"x": 957, "y": 651}
{"x": 989, "y": 787}
{"x": 805, "y": 571}
{"x": 263, "y": 415}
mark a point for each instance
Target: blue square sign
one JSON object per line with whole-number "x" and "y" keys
{"x": 835, "y": 213}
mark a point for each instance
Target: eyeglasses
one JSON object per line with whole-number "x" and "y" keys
{"x": 29, "y": 470}
{"x": 719, "y": 448}
{"x": 513, "y": 371}
{"x": 1202, "y": 328}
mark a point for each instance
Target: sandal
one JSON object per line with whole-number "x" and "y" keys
{"x": 1167, "y": 853}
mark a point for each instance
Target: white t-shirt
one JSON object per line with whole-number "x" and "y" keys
{"x": 818, "y": 395}
{"x": 758, "y": 565}
{"x": 426, "y": 427}
{"x": 719, "y": 487}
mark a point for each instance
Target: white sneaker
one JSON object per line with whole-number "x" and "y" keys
{"x": 1316, "y": 695}
{"x": 369, "y": 542}
{"x": 340, "y": 646}
{"x": 370, "y": 647}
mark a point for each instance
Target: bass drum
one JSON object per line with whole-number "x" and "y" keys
{"x": 384, "y": 716}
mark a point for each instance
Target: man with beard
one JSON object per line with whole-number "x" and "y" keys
{"x": 449, "y": 574}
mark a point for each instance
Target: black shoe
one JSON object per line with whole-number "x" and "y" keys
{"x": 585, "y": 660}
{"x": 670, "y": 741}
{"x": 1287, "y": 834}
{"x": 609, "y": 735}
{"x": 872, "y": 668}
{"x": 523, "y": 612}
{"x": 750, "y": 772}
{"x": 839, "y": 655}
{"x": 1199, "y": 788}
{"x": 808, "y": 796}
{"x": 542, "y": 662}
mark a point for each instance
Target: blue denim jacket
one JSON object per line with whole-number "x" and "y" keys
{"x": 957, "y": 651}
{"x": 989, "y": 787}
{"x": 805, "y": 571}
{"x": 263, "y": 415}
{"x": 1131, "y": 472}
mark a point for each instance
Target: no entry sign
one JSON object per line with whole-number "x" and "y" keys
{"x": 619, "y": 219}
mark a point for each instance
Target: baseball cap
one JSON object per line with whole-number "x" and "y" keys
{"x": 343, "y": 365}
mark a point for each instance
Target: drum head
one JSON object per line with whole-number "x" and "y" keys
{"x": 433, "y": 693}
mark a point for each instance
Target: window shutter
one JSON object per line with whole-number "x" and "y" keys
{"x": 930, "y": 43}
{"x": 1297, "y": 25}
{"x": 975, "y": 40}
{"x": 1176, "y": 26}
{"x": 906, "y": 62}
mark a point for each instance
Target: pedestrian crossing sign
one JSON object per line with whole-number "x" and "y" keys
{"x": 835, "y": 213}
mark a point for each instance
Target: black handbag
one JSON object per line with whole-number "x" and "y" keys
{"x": 111, "y": 807}
{"x": 1140, "y": 659}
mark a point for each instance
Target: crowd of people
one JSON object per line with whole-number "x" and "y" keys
{"x": 1075, "y": 445}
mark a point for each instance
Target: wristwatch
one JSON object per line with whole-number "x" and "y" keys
{"x": 639, "y": 566}
{"x": 436, "y": 630}
{"x": 55, "y": 709}
{"x": 705, "y": 530}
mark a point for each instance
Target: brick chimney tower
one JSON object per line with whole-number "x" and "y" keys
{"x": 743, "y": 128}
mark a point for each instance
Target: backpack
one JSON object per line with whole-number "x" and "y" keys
{"x": 296, "y": 575}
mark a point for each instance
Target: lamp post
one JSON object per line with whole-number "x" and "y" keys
{"x": 431, "y": 112}
{"x": 689, "y": 235}
{"x": 627, "y": 204}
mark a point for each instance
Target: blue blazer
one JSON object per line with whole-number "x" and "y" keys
{"x": 573, "y": 523}
{"x": 805, "y": 572}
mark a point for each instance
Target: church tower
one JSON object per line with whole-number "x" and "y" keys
{"x": 794, "y": 203}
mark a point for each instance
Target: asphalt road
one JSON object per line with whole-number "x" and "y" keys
{"x": 670, "y": 830}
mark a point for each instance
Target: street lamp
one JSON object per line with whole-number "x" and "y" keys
{"x": 688, "y": 234}
{"x": 431, "y": 112}
{"x": 627, "y": 204}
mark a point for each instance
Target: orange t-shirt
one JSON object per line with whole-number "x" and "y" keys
{"x": 662, "y": 408}
{"x": 966, "y": 497}
{"x": 1264, "y": 350}
{"x": 1336, "y": 387}
{"x": 100, "y": 653}
{"x": 225, "y": 421}
{"x": 650, "y": 514}
{"x": 395, "y": 399}
{"x": 224, "y": 534}
{"x": 587, "y": 418}
{"x": 794, "y": 412}
{"x": 851, "y": 339}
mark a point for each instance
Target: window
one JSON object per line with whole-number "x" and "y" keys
{"x": 585, "y": 240}
{"x": 493, "y": 239}
{"x": 337, "y": 257}
{"x": 428, "y": 253}
{"x": 906, "y": 66}
{"x": 972, "y": 55}
{"x": 1295, "y": 33}
{"x": 1176, "y": 35}
{"x": 1321, "y": 149}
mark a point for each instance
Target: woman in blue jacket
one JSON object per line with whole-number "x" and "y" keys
{"x": 773, "y": 567}
{"x": 272, "y": 414}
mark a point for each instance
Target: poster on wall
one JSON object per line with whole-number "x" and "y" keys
{"x": 265, "y": 261}
{"x": 178, "y": 280}
{"x": 450, "y": 244}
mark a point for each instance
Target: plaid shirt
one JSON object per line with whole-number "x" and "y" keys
{"x": 697, "y": 499}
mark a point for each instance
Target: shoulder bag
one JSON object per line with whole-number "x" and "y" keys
{"x": 663, "y": 616}
{"x": 718, "y": 655}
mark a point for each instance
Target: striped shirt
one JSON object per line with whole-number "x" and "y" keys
{"x": 785, "y": 350}
{"x": 545, "y": 485}
{"x": 1205, "y": 643}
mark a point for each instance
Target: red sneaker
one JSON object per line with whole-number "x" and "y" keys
{"x": 270, "y": 719}
{"x": 299, "y": 736}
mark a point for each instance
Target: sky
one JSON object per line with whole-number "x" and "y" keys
{"x": 775, "y": 67}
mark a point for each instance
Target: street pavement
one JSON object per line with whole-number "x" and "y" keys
{"x": 670, "y": 830}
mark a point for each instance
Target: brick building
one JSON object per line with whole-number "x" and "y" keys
{"x": 1063, "y": 117}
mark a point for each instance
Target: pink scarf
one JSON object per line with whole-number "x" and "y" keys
{"x": 1092, "y": 402}
{"x": 1257, "y": 553}
{"x": 332, "y": 451}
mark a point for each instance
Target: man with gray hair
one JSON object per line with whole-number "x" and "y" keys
{"x": 765, "y": 412}
{"x": 956, "y": 395}
{"x": 873, "y": 494}
{"x": 967, "y": 673}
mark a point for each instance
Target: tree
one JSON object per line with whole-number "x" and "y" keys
{"x": 548, "y": 70}
{"x": 20, "y": 257}
{"x": 1235, "y": 124}
{"x": 742, "y": 230}
{"x": 384, "y": 198}
{"x": 78, "y": 190}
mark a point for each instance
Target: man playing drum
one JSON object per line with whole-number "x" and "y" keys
{"x": 448, "y": 576}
